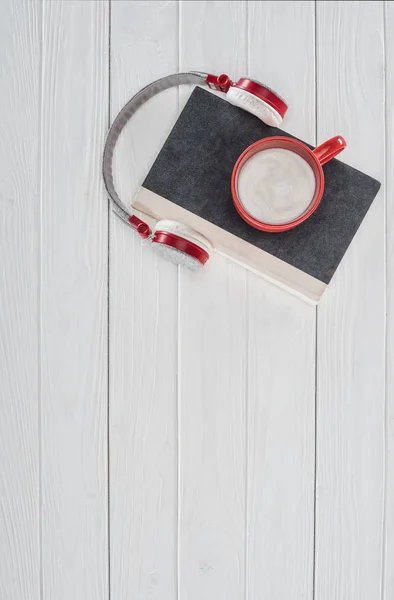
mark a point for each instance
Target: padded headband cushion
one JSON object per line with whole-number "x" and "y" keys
{"x": 254, "y": 105}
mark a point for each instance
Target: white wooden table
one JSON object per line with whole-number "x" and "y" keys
{"x": 169, "y": 435}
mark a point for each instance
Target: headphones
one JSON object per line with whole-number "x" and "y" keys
{"x": 176, "y": 242}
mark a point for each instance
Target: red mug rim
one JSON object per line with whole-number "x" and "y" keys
{"x": 319, "y": 156}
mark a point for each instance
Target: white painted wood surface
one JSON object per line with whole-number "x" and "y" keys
{"x": 212, "y": 365}
{"x": 143, "y": 326}
{"x": 388, "y": 520}
{"x": 20, "y": 46}
{"x": 281, "y": 381}
{"x": 351, "y": 317}
{"x": 158, "y": 436}
{"x": 74, "y": 289}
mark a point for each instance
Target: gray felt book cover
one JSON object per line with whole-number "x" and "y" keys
{"x": 193, "y": 172}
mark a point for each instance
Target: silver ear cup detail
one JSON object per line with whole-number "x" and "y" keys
{"x": 188, "y": 234}
{"x": 178, "y": 257}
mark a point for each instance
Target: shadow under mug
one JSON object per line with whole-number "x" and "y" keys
{"x": 315, "y": 158}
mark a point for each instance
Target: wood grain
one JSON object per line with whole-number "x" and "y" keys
{"x": 212, "y": 362}
{"x": 212, "y": 432}
{"x": 74, "y": 301}
{"x": 351, "y": 316}
{"x": 281, "y": 347}
{"x": 211, "y": 375}
{"x": 281, "y": 51}
{"x": 143, "y": 325}
{"x": 388, "y": 523}
{"x": 19, "y": 300}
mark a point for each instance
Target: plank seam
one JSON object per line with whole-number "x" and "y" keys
{"x": 316, "y": 351}
{"x": 246, "y": 374}
{"x": 39, "y": 292}
{"x": 246, "y": 478}
{"x": 178, "y": 342}
{"x": 108, "y": 320}
{"x": 178, "y": 440}
{"x": 385, "y": 425}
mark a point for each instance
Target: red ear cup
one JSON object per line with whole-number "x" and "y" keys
{"x": 259, "y": 100}
{"x": 176, "y": 242}
{"x": 181, "y": 244}
{"x": 264, "y": 93}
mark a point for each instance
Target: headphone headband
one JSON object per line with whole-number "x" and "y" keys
{"x": 265, "y": 104}
{"x": 123, "y": 118}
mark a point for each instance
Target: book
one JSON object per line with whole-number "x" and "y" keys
{"x": 190, "y": 182}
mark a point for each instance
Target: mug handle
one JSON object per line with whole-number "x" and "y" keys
{"x": 327, "y": 150}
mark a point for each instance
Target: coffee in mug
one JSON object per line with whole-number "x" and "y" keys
{"x": 276, "y": 186}
{"x": 278, "y": 182}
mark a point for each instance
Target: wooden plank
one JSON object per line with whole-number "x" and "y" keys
{"x": 351, "y": 316}
{"x": 143, "y": 325}
{"x": 74, "y": 301}
{"x": 212, "y": 432}
{"x": 20, "y": 44}
{"x": 388, "y": 549}
{"x": 281, "y": 52}
{"x": 281, "y": 346}
{"x": 212, "y": 343}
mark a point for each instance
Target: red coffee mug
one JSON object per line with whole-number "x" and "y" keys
{"x": 315, "y": 158}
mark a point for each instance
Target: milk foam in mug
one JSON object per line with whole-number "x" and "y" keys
{"x": 278, "y": 182}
